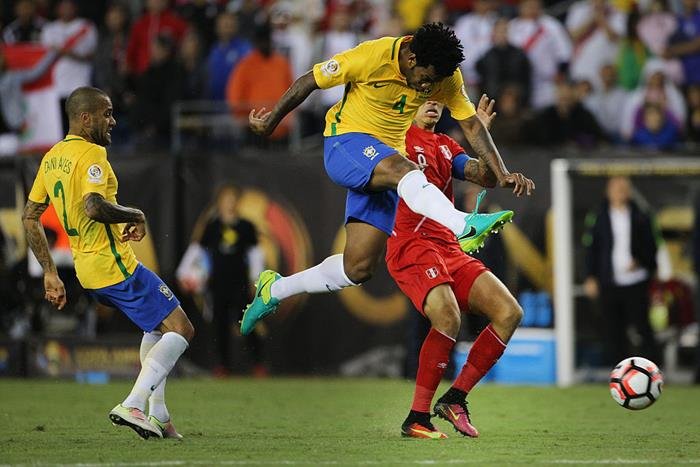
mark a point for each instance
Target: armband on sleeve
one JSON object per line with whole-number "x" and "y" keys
{"x": 459, "y": 162}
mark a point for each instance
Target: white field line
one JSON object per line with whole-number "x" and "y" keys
{"x": 176, "y": 463}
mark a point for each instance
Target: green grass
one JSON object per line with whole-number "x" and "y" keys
{"x": 343, "y": 422}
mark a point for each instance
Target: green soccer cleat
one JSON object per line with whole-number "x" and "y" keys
{"x": 263, "y": 304}
{"x": 167, "y": 429}
{"x": 480, "y": 226}
{"x": 134, "y": 419}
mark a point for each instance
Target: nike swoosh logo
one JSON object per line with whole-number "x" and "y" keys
{"x": 267, "y": 282}
{"x": 377, "y": 85}
{"x": 454, "y": 415}
{"x": 471, "y": 233}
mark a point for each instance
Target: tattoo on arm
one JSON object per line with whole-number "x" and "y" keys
{"x": 477, "y": 171}
{"x": 99, "y": 209}
{"x": 36, "y": 237}
{"x": 483, "y": 145}
{"x": 295, "y": 95}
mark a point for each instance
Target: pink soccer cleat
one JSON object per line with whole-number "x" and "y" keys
{"x": 458, "y": 415}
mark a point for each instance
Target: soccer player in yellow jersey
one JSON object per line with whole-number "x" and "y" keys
{"x": 385, "y": 80}
{"x": 77, "y": 179}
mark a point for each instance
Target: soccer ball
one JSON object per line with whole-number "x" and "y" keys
{"x": 635, "y": 383}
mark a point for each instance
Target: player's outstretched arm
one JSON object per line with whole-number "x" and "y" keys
{"x": 484, "y": 147}
{"x": 264, "y": 122}
{"x": 99, "y": 209}
{"x": 54, "y": 291}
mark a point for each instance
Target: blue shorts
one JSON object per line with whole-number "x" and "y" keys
{"x": 350, "y": 160}
{"x": 143, "y": 297}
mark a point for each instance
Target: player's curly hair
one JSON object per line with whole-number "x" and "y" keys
{"x": 437, "y": 45}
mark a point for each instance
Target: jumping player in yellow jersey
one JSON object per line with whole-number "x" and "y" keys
{"x": 385, "y": 80}
{"x": 77, "y": 179}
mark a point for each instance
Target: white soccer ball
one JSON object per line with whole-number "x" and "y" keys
{"x": 636, "y": 383}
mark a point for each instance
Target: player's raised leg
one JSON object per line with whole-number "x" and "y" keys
{"x": 363, "y": 249}
{"x": 489, "y": 297}
{"x": 397, "y": 172}
{"x": 442, "y": 310}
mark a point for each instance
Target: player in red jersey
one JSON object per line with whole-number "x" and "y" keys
{"x": 426, "y": 262}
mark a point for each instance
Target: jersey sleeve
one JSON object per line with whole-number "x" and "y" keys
{"x": 344, "y": 67}
{"x": 454, "y": 146}
{"x": 454, "y": 95}
{"x": 94, "y": 171}
{"x": 38, "y": 193}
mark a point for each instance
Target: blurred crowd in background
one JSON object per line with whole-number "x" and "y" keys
{"x": 581, "y": 73}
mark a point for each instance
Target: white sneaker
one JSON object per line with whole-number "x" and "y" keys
{"x": 134, "y": 419}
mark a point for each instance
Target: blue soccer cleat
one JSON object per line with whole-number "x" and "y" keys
{"x": 480, "y": 226}
{"x": 263, "y": 303}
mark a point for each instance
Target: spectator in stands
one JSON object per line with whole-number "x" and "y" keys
{"x": 595, "y": 27}
{"x": 503, "y": 65}
{"x": 633, "y": 54}
{"x": 693, "y": 120}
{"x": 259, "y": 81}
{"x": 27, "y": 25}
{"x": 412, "y": 12}
{"x": 475, "y": 30}
{"x": 73, "y": 69}
{"x": 336, "y": 39}
{"x": 437, "y": 13}
{"x": 686, "y": 42}
{"x": 620, "y": 258}
{"x": 513, "y": 116}
{"x": 249, "y": 15}
{"x": 158, "y": 20}
{"x": 195, "y": 79}
{"x": 606, "y": 102}
{"x": 110, "y": 58}
{"x": 201, "y": 16}
{"x": 293, "y": 23}
{"x": 565, "y": 122}
{"x": 656, "y": 89}
{"x": 225, "y": 54}
{"x": 547, "y": 44}
{"x": 655, "y": 29}
{"x": 656, "y": 130}
{"x": 157, "y": 89}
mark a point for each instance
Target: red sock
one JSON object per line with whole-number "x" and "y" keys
{"x": 434, "y": 355}
{"x": 485, "y": 352}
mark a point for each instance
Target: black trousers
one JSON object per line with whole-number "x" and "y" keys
{"x": 228, "y": 310}
{"x": 624, "y": 306}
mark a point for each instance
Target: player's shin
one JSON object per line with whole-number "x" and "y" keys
{"x": 433, "y": 359}
{"x": 483, "y": 355}
{"x": 426, "y": 199}
{"x": 156, "y": 403}
{"x": 155, "y": 367}
{"x": 328, "y": 276}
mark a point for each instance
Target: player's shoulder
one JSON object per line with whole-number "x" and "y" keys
{"x": 384, "y": 47}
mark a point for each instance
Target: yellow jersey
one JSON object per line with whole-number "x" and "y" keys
{"x": 377, "y": 100}
{"x": 69, "y": 171}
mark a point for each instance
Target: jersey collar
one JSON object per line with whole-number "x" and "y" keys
{"x": 72, "y": 138}
{"x": 395, "y": 50}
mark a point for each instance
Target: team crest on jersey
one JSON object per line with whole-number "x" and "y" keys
{"x": 370, "y": 152}
{"x": 446, "y": 152}
{"x": 165, "y": 290}
{"x": 432, "y": 273}
{"x": 94, "y": 173}
{"x": 330, "y": 68}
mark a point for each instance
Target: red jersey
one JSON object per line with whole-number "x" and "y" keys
{"x": 434, "y": 152}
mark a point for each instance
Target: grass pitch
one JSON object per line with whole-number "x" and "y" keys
{"x": 343, "y": 422}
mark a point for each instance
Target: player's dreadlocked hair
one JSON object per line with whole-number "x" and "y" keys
{"x": 435, "y": 44}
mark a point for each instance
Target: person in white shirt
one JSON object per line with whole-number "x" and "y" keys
{"x": 475, "y": 31}
{"x": 74, "y": 69}
{"x": 596, "y": 28}
{"x": 621, "y": 247}
{"x": 606, "y": 100}
{"x": 547, "y": 44}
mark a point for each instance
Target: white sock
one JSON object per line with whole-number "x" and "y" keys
{"x": 424, "y": 198}
{"x": 328, "y": 276}
{"x": 155, "y": 367}
{"x": 156, "y": 403}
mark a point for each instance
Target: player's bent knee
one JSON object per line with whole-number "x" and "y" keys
{"x": 511, "y": 315}
{"x": 445, "y": 318}
{"x": 360, "y": 273}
